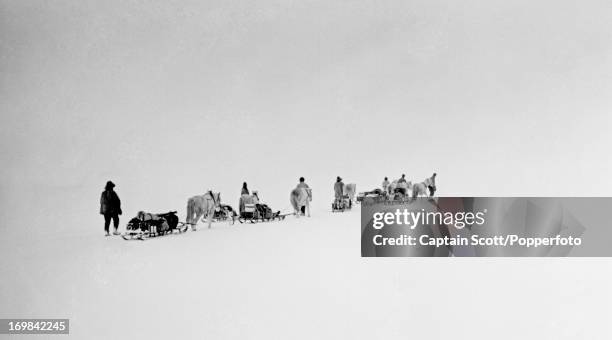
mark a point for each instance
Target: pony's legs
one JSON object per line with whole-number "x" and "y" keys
{"x": 188, "y": 214}
{"x": 419, "y": 190}
{"x": 308, "y": 208}
{"x": 231, "y": 217}
{"x": 195, "y": 221}
{"x": 210, "y": 216}
{"x": 298, "y": 210}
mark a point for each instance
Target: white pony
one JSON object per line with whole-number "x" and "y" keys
{"x": 419, "y": 189}
{"x": 350, "y": 190}
{"x": 301, "y": 197}
{"x": 202, "y": 206}
{"x": 423, "y": 188}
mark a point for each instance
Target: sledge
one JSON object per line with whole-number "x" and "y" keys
{"x": 375, "y": 194}
{"x": 224, "y": 213}
{"x": 256, "y": 212}
{"x": 147, "y": 225}
{"x": 342, "y": 204}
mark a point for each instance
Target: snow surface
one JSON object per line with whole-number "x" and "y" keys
{"x": 302, "y": 278}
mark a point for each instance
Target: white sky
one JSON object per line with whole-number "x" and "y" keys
{"x": 169, "y": 98}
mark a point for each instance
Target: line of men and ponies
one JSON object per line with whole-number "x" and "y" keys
{"x": 397, "y": 189}
{"x": 299, "y": 197}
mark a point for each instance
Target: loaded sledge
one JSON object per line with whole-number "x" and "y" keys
{"x": 224, "y": 213}
{"x": 251, "y": 210}
{"x": 146, "y": 225}
{"x": 342, "y": 204}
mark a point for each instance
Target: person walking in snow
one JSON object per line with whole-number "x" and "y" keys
{"x": 245, "y": 190}
{"x": 385, "y": 184}
{"x": 431, "y": 184}
{"x": 402, "y": 185}
{"x": 110, "y": 207}
{"x": 338, "y": 189}
{"x": 402, "y": 179}
{"x": 302, "y": 184}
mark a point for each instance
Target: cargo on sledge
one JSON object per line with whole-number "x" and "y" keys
{"x": 146, "y": 225}
{"x": 224, "y": 213}
{"x": 342, "y": 204}
{"x": 251, "y": 210}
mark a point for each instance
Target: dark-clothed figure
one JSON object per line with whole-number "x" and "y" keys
{"x": 245, "y": 190}
{"x": 431, "y": 184}
{"x": 110, "y": 207}
{"x": 338, "y": 188}
{"x": 401, "y": 185}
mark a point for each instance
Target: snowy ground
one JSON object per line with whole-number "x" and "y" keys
{"x": 297, "y": 279}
